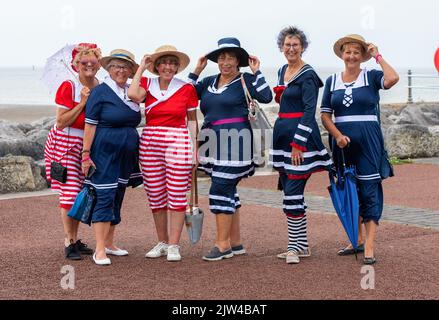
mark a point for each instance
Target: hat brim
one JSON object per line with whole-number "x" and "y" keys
{"x": 241, "y": 54}
{"x": 338, "y": 45}
{"x": 105, "y": 60}
{"x": 183, "y": 59}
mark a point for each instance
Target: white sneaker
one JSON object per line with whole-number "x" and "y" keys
{"x": 174, "y": 253}
{"x": 161, "y": 249}
{"x": 301, "y": 254}
{"x": 292, "y": 257}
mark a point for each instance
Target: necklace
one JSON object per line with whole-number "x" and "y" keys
{"x": 291, "y": 73}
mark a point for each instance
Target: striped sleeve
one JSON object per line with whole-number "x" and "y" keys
{"x": 326, "y": 106}
{"x": 258, "y": 87}
{"x": 310, "y": 91}
{"x": 93, "y": 108}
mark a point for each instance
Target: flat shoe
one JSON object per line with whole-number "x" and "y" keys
{"x": 369, "y": 261}
{"x": 349, "y": 251}
{"x": 118, "y": 252}
{"x": 101, "y": 262}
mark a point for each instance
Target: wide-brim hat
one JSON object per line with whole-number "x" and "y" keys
{"x": 229, "y": 44}
{"x": 168, "y": 50}
{"x": 351, "y": 38}
{"x": 122, "y": 55}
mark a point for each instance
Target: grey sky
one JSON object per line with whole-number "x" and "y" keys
{"x": 406, "y": 32}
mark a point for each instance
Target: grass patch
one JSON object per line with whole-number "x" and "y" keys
{"x": 396, "y": 161}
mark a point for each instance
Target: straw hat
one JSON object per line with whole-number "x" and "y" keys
{"x": 122, "y": 55}
{"x": 168, "y": 50}
{"x": 356, "y": 38}
{"x": 229, "y": 44}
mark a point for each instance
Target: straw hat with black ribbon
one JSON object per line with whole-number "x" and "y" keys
{"x": 168, "y": 50}
{"x": 352, "y": 38}
{"x": 120, "y": 54}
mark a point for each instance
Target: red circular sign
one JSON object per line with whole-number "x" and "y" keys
{"x": 436, "y": 59}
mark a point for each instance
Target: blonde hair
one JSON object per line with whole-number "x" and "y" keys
{"x": 85, "y": 51}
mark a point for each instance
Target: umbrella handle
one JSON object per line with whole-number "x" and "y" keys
{"x": 341, "y": 151}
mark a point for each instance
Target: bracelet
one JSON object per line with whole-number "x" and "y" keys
{"x": 85, "y": 151}
{"x": 378, "y": 58}
{"x": 86, "y": 159}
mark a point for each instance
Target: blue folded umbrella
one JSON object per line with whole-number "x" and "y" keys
{"x": 344, "y": 196}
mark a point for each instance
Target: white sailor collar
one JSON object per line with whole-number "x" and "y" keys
{"x": 175, "y": 85}
{"x": 361, "y": 81}
{"x": 213, "y": 89}
{"x": 122, "y": 93}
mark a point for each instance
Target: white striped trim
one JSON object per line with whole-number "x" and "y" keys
{"x": 225, "y": 162}
{"x": 91, "y": 121}
{"x": 213, "y": 197}
{"x": 102, "y": 186}
{"x": 222, "y": 208}
{"x": 228, "y": 45}
{"x": 326, "y": 110}
{"x": 293, "y": 207}
{"x": 299, "y": 137}
{"x": 302, "y": 167}
{"x": 230, "y": 175}
{"x": 192, "y": 109}
{"x": 62, "y": 107}
{"x": 355, "y": 119}
{"x": 259, "y": 89}
{"x": 260, "y": 76}
{"x": 304, "y": 128}
{"x": 298, "y": 197}
{"x": 369, "y": 177}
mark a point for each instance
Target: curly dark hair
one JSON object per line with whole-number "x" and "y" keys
{"x": 292, "y": 31}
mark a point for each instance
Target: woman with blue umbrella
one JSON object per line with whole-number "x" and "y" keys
{"x": 353, "y": 96}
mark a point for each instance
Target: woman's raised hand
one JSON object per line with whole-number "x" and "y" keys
{"x": 146, "y": 62}
{"x": 201, "y": 64}
{"x": 372, "y": 49}
{"x": 254, "y": 63}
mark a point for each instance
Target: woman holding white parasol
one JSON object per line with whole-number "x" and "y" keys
{"x": 65, "y": 139}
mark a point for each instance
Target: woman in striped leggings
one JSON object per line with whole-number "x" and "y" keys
{"x": 65, "y": 139}
{"x": 298, "y": 150}
{"x": 166, "y": 146}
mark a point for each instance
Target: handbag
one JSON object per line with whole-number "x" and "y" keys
{"x": 194, "y": 215}
{"x": 386, "y": 167}
{"x": 57, "y": 170}
{"x": 82, "y": 209}
{"x": 260, "y": 124}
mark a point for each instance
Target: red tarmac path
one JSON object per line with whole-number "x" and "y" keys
{"x": 408, "y": 260}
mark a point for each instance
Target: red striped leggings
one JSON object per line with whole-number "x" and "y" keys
{"x": 166, "y": 159}
{"x": 67, "y": 151}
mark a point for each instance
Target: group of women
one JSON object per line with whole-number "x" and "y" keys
{"x": 96, "y": 127}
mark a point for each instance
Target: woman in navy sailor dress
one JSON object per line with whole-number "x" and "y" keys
{"x": 298, "y": 150}
{"x": 352, "y": 97}
{"x": 113, "y": 151}
{"x": 226, "y": 138}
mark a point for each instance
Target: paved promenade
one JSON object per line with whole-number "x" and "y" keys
{"x": 408, "y": 237}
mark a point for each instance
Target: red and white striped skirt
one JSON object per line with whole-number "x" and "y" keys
{"x": 166, "y": 159}
{"x": 65, "y": 149}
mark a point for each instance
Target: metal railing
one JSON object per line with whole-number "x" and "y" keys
{"x": 410, "y": 85}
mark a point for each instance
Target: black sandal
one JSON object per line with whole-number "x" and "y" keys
{"x": 349, "y": 251}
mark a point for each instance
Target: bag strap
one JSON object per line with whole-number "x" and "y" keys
{"x": 248, "y": 97}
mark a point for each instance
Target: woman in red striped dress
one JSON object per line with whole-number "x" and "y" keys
{"x": 166, "y": 147}
{"x": 64, "y": 142}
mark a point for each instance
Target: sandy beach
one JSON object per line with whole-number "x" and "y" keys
{"x": 26, "y": 113}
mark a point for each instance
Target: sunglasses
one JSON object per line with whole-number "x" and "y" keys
{"x": 93, "y": 62}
